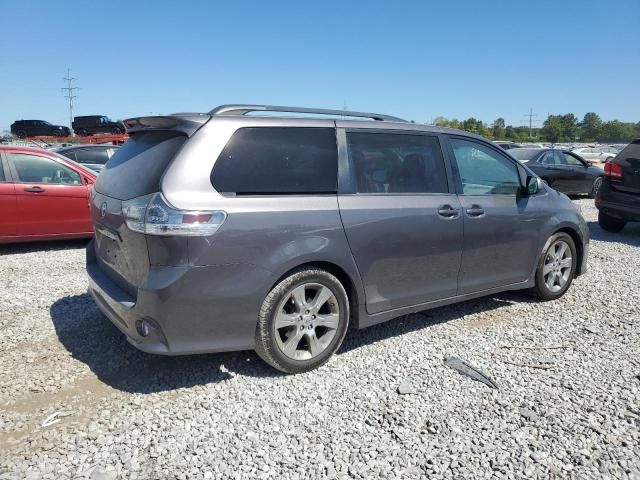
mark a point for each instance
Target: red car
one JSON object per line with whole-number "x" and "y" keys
{"x": 43, "y": 196}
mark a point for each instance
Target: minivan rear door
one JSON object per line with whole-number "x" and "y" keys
{"x": 134, "y": 171}
{"x": 400, "y": 215}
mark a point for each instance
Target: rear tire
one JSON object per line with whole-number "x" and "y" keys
{"x": 595, "y": 187}
{"x": 21, "y": 134}
{"x": 610, "y": 224}
{"x": 82, "y": 132}
{"x": 556, "y": 268}
{"x": 303, "y": 321}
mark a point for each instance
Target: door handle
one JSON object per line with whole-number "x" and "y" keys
{"x": 34, "y": 189}
{"x": 447, "y": 211}
{"x": 475, "y": 211}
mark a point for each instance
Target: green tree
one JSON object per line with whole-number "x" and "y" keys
{"x": 509, "y": 133}
{"x": 441, "y": 122}
{"x": 569, "y": 127}
{"x": 498, "y": 128}
{"x": 590, "y": 127}
{"x": 616, "y": 131}
{"x": 552, "y": 128}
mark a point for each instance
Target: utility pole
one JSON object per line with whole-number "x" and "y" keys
{"x": 531, "y": 116}
{"x": 69, "y": 91}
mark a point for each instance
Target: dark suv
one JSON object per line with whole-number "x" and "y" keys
{"x": 228, "y": 231}
{"x": 92, "y": 124}
{"x": 35, "y": 128}
{"x": 619, "y": 196}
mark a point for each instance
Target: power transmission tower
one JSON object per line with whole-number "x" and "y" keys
{"x": 531, "y": 117}
{"x": 69, "y": 91}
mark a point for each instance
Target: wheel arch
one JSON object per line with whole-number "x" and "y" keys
{"x": 577, "y": 241}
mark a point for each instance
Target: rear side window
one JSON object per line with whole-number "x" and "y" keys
{"x": 630, "y": 153}
{"x": 92, "y": 155}
{"x": 137, "y": 167}
{"x": 278, "y": 160}
{"x": 69, "y": 154}
{"x": 397, "y": 163}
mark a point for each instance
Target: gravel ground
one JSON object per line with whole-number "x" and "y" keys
{"x": 569, "y": 411}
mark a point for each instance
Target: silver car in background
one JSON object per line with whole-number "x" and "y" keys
{"x": 230, "y": 230}
{"x": 596, "y": 155}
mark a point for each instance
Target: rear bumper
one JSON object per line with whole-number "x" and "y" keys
{"x": 120, "y": 307}
{"x": 184, "y": 309}
{"x": 624, "y": 206}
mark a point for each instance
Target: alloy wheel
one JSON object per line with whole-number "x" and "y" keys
{"x": 306, "y": 321}
{"x": 558, "y": 266}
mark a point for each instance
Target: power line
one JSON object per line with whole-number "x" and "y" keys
{"x": 69, "y": 91}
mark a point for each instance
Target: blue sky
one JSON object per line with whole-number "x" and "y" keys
{"x": 416, "y": 60}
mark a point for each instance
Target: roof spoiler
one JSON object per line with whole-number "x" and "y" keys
{"x": 187, "y": 123}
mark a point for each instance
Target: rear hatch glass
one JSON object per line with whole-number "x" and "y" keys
{"x": 629, "y": 160}
{"x": 136, "y": 167}
{"x": 133, "y": 171}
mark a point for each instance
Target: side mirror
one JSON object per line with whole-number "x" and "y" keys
{"x": 532, "y": 186}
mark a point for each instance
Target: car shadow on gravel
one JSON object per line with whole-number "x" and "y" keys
{"x": 428, "y": 318}
{"x": 630, "y": 235}
{"x": 30, "y": 247}
{"x": 91, "y": 338}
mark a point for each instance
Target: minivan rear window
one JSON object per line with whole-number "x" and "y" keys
{"x": 278, "y": 161}
{"x": 137, "y": 167}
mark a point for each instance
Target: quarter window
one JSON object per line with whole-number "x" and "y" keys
{"x": 484, "y": 171}
{"x": 571, "y": 160}
{"x": 35, "y": 169}
{"x": 92, "y": 156}
{"x": 278, "y": 160}
{"x": 397, "y": 163}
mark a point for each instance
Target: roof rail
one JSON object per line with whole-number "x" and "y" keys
{"x": 244, "y": 109}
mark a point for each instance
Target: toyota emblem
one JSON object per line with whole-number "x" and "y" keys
{"x": 103, "y": 209}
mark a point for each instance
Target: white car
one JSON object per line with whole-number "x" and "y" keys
{"x": 596, "y": 155}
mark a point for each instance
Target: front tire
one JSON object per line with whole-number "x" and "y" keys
{"x": 556, "y": 267}
{"x": 610, "y": 224}
{"x": 303, "y": 321}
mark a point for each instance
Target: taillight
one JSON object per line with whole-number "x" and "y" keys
{"x": 613, "y": 170}
{"x": 152, "y": 215}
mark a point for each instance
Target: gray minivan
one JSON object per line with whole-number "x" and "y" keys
{"x": 239, "y": 229}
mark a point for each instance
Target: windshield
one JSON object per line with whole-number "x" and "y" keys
{"x": 524, "y": 154}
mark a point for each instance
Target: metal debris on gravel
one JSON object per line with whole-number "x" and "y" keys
{"x": 470, "y": 371}
{"x": 139, "y": 416}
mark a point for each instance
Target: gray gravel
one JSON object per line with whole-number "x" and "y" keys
{"x": 572, "y": 411}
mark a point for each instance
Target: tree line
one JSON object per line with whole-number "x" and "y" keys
{"x": 556, "y": 128}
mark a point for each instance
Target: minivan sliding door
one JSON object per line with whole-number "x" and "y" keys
{"x": 402, "y": 221}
